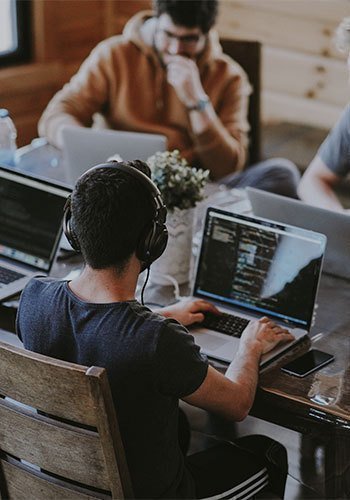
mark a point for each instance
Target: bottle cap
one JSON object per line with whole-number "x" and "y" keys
{"x": 4, "y": 113}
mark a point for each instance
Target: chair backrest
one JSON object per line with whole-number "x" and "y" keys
{"x": 69, "y": 448}
{"x": 248, "y": 55}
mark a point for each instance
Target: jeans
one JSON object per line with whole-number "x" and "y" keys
{"x": 277, "y": 175}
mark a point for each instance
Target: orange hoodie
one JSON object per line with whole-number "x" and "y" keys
{"x": 124, "y": 80}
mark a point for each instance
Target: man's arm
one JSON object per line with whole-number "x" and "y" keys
{"x": 329, "y": 166}
{"x": 220, "y": 144}
{"x": 232, "y": 395}
{"x": 317, "y": 186}
{"x": 76, "y": 103}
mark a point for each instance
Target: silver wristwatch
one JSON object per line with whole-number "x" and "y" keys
{"x": 200, "y": 105}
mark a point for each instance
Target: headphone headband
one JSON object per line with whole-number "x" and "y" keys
{"x": 153, "y": 240}
{"x": 144, "y": 179}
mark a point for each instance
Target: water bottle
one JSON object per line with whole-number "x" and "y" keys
{"x": 8, "y": 134}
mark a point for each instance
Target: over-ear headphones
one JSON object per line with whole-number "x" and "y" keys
{"x": 153, "y": 239}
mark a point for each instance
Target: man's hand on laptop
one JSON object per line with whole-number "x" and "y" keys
{"x": 188, "y": 311}
{"x": 267, "y": 333}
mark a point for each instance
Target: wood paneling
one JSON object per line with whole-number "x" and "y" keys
{"x": 304, "y": 77}
{"x": 283, "y": 23}
{"x": 28, "y": 77}
{"x": 64, "y": 33}
{"x": 308, "y": 9}
{"x": 276, "y": 107}
{"x": 126, "y": 9}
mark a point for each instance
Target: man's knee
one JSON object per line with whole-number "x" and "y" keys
{"x": 267, "y": 447}
{"x": 287, "y": 169}
{"x": 275, "y": 456}
{"x": 278, "y": 175}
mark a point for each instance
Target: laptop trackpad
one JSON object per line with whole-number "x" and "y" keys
{"x": 211, "y": 342}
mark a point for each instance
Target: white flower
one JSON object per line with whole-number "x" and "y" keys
{"x": 180, "y": 184}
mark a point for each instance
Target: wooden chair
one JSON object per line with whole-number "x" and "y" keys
{"x": 71, "y": 447}
{"x": 248, "y": 54}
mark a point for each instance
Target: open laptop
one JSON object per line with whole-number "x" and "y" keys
{"x": 31, "y": 212}
{"x": 250, "y": 268}
{"x": 335, "y": 225}
{"x": 86, "y": 147}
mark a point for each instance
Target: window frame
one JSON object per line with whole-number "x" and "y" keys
{"x": 23, "y": 52}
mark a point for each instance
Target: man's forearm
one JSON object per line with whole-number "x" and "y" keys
{"x": 244, "y": 371}
{"x": 50, "y": 126}
{"x": 317, "y": 186}
{"x": 218, "y": 150}
{"x": 318, "y": 192}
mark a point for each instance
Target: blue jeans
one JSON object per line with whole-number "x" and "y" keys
{"x": 277, "y": 175}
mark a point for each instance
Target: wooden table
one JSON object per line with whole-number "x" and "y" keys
{"x": 318, "y": 406}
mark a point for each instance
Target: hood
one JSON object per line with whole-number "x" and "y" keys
{"x": 132, "y": 31}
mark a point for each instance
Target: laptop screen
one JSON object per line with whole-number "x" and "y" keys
{"x": 260, "y": 266}
{"x": 85, "y": 147}
{"x": 31, "y": 214}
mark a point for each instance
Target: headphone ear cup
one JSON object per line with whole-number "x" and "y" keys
{"x": 152, "y": 243}
{"x": 160, "y": 243}
{"x": 67, "y": 226}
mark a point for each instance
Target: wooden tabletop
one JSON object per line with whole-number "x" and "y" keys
{"x": 327, "y": 389}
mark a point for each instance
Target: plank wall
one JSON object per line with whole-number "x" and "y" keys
{"x": 304, "y": 77}
{"x": 64, "y": 33}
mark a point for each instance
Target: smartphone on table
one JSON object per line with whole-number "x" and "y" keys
{"x": 308, "y": 363}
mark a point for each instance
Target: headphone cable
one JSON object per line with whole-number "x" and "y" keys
{"x": 144, "y": 285}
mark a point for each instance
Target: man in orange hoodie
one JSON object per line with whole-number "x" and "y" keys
{"x": 167, "y": 74}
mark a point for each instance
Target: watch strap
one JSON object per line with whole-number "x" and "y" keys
{"x": 200, "y": 105}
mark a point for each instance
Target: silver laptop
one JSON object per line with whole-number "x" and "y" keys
{"x": 86, "y": 147}
{"x": 250, "y": 268}
{"x": 31, "y": 212}
{"x": 335, "y": 225}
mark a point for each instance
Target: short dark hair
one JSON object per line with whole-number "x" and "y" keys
{"x": 189, "y": 13}
{"x": 110, "y": 210}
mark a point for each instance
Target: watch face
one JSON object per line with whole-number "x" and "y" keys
{"x": 201, "y": 104}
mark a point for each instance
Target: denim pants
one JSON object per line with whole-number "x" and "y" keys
{"x": 277, "y": 175}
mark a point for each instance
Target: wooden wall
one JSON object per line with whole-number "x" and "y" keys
{"x": 64, "y": 32}
{"x": 304, "y": 77}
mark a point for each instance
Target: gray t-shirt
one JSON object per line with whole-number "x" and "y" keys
{"x": 335, "y": 149}
{"x": 151, "y": 362}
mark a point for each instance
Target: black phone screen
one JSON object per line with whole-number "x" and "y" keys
{"x": 308, "y": 363}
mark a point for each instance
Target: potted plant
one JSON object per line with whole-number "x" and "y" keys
{"x": 181, "y": 187}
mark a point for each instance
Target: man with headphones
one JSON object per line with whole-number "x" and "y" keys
{"x": 116, "y": 218}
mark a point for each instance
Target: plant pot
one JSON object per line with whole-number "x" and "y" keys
{"x": 175, "y": 261}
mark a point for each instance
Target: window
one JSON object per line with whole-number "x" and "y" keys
{"x": 14, "y": 31}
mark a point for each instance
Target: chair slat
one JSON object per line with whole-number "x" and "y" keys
{"x": 23, "y": 484}
{"x": 49, "y": 385}
{"x": 77, "y": 455}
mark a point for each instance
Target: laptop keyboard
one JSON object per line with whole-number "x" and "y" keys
{"x": 225, "y": 323}
{"x": 8, "y": 276}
